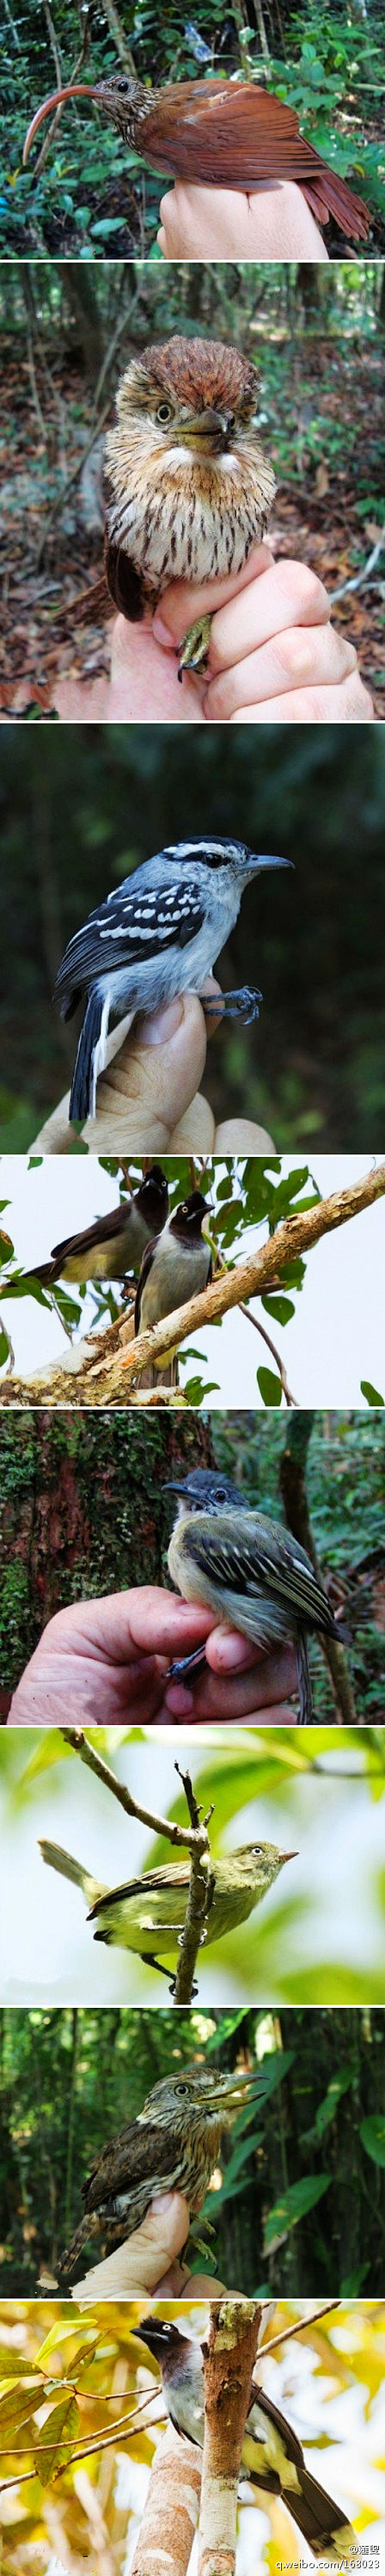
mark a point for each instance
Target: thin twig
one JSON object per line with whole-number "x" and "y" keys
{"x": 359, "y": 578}
{"x": 199, "y": 1896}
{"x": 179, "y": 1834}
{"x": 301, "y": 2323}
{"x": 56, "y": 120}
{"x": 260, "y": 1328}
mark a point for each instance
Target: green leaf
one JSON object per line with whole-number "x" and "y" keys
{"x": 372, "y": 2134}
{"x": 293, "y": 2205}
{"x": 269, "y": 1386}
{"x": 4, "y": 1348}
{"x": 370, "y": 1392}
{"x": 55, "y": 2442}
{"x": 281, "y": 1307}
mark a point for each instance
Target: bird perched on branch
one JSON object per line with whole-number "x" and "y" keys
{"x": 147, "y": 1914}
{"x": 248, "y": 1569}
{"x": 115, "y": 1244}
{"x": 222, "y": 134}
{"x": 172, "y": 2145}
{"x": 158, "y": 934}
{"x": 272, "y": 2457}
{"x": 190, "y": 488}
{"x": 174, "y": 1268}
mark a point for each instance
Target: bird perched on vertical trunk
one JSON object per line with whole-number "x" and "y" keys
{"x": 157, "y": 934}
{"x": 147, "y": 1914}
{"x": 222, "y": 134}
{"x": 115, "y": 1244}
{"x": 272, "y": 2456}
{"x": 174, "y": 1268}
{"x": 190, "y": 490}
{"x": 248, "y": 1569}
{"x": 172, "y": 2145}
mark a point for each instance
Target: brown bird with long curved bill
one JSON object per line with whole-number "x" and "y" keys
{"x": 219, "y": 134}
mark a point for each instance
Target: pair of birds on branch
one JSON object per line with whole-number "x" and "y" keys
{"x": 168, "y": 1253}
{"x": 272, "y": 2457}
{"x": 220, "y": 134}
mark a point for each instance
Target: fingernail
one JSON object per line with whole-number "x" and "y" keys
{"x": 162, "y": 1025}
{"x": 231, "y": 1650}
{"x": 162, "y": 633}
{"x": 163, "y": 2205}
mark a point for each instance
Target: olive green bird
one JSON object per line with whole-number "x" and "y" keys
{"x": 147, "y": 1914}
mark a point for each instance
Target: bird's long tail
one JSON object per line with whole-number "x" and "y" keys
{"x": 67, "y": 1867}
{"x": 91, "y": 1057}
{"x": 306, "y": 1702}
{"x": 327, "y": 194}
{"x": 321, "y": 2522}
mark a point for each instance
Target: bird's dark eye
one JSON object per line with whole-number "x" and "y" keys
{"x": 182, "y": 2088}
{"x": 164, "y": 413}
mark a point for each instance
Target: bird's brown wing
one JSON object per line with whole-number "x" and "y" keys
{"x": 129, "y": 2159}
{"x": 103, "y": 1230}
{"x": 124, "y": 582}
{"x": 152, "y": 1883}
{"x": 236, "y": 135}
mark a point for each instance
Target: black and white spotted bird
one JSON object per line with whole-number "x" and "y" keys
{"x": 174, "y": 1268}
{"x": 157, "y": 935}
{"x": 114, "y": 1245}
{"x": 272, "y": 2456}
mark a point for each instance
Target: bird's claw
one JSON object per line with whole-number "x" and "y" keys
{"x": 194, "y": 649}
{"x": 241, "y": 1005}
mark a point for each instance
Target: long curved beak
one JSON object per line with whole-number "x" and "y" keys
{"x": 75, "y": 89}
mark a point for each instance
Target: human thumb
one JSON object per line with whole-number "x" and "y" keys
{"x": 138, "y": 2266}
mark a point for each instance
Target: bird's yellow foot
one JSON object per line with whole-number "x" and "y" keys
{"x": 194, "y": 650}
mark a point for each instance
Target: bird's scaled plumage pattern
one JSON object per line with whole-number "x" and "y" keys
{"x": 190, "y": 490}
{"x": 248, "y": 1568}
{"x": 115, "y": 1243}
{"x": 157, "y": 934}
{"x": 272, "y": 2456}
{"x": 172, "y": 2145}
{"x": 147, "y": 1914}
{"x": 219, "y": 134}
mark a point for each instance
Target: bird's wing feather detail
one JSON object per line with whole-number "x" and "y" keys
{"x": 151, "y": 1885}
{"x": 146, "y": 925}
{"x": 127, "y": 2161}
{"x": 244, "y": 1565}
{"x": 103, "y": 1230}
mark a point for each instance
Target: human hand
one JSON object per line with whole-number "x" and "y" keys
{"x": 147, "y": 2264}
{"x": 103, "y": 1661}
{"x": 273, "y": 653}
{"x": 149, "y": 1099}
{"x": 272, "y": 222}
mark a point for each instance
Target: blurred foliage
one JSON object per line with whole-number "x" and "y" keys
{"x": 314, "y": 1070}
{"x": 48, "y": 2354}
{"x": 90, "y": 196}
{"x": 301, "y": 2197}
{"x": 296, "y": 1948}
{"x": 82, "y": 1512}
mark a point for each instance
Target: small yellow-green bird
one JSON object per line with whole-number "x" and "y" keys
{"x": 147, "y": 1914}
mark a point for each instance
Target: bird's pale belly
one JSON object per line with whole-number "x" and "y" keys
{"x": 190, "y": 535}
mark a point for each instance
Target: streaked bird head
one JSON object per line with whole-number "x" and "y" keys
{"x": 195, "y": 394}
{"x": 199, "y": 2093}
